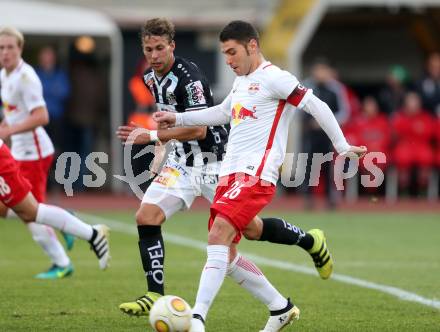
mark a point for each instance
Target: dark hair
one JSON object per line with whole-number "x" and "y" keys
{"x": 240, "y": 31}
{"x": 158, "y": 27}
{"x": 322, "y": 60}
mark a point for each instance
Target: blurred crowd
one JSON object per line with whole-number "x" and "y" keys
{"x": 401, "y": 119}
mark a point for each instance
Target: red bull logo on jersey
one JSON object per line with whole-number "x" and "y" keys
{"x": 7, "y": 108}
{"x": 239, "y": 113}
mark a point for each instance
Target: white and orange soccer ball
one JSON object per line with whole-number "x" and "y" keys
{"x": 170, "y": 313}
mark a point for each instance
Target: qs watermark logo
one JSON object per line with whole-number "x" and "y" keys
{"x": 68, "y": 167}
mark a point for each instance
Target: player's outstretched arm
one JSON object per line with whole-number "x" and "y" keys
{"x": 212, "y": 116}
{"x": 133, "y": 134}
{"x": 326, "y": 119}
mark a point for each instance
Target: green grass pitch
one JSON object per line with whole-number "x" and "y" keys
{"x": 399, "y": 250}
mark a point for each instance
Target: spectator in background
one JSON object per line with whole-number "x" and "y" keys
{"x": 349, "y": 104}
{"x": 414, "y": 130}
{"x": 372, "y": 128}
{"x": 393, "y": 92}
{"x": 323, "y": 74}
{"x": 313, "y": 137}
{"x": 86, "y": 107}
{"x": 56, "y": 90}
{"x": 429, "y": 85}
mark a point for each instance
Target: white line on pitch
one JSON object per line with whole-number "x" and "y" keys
{"x": 187, "y": 242}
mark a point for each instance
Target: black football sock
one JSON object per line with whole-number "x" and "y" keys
{"x": 277, "y": 230}
{"x": 152, "y": 252}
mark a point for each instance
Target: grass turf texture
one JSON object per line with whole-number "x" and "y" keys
{"x": 400, "y": 250}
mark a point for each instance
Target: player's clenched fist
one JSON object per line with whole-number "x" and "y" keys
{"x": 356, "y": 152}
{"x": 165, "y": 119}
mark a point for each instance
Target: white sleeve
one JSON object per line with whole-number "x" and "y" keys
{"x": 212, "y": 116}
{"x": 326, "y": 119}
{"x": 32, "y": 91}
{"x": 287, "y": 87}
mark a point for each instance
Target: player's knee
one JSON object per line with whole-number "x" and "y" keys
{"x": 143, "y": 218}
{"x": 221, "y": 233}
{"x": 251, "y": 234}
{"x": 27, "y": 209}
{"x": 27, "y": 215}
{"x": 215, "y": 237}
{"x": 148, "y": 215}
{"x": 254, "y": 229}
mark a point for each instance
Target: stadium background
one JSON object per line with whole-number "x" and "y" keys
{"x": 387, "y": 237}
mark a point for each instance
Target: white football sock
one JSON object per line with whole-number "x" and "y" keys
{"x": 47, "y": 239}
{"x": 212, "y": 278}
{"x": 64, "y": 221}
{"x": 249, "y": 276}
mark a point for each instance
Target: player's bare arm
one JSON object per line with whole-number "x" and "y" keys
{"x": 143, "y": 135}
{"x": 182, "y": 134}
{"x": 159, "y": 156}
{"x": 38, "y": 117}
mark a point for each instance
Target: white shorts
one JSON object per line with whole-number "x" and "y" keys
{"x": 177, "y": 185}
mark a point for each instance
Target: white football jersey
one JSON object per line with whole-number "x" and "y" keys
{"x": 262, "y": 105}
{"x": 21, "y": 92}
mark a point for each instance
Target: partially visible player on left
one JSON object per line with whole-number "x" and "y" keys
{"x": 23, "y": 180}
{"x": 24, "y": 115}
{"x": 15, "y": 193}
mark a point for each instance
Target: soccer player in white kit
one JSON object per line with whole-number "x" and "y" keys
{"x": 179, "y": 86}
{"x": 25, "y": 112}
{"x": 259, "y": 109}
{"x": 15, "y": 193}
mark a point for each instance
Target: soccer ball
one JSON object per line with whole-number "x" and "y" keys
{"x": 170, "y": 313}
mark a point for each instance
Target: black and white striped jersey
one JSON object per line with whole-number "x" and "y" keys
{"x": 185, "y": 88}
